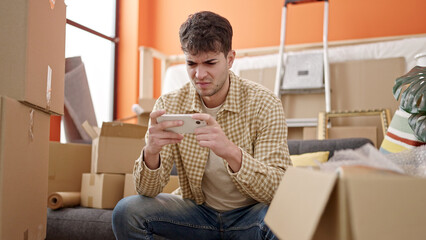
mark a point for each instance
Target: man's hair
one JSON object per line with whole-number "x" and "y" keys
{"x": 205, "y": 32}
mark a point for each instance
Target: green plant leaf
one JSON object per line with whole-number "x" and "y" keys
{"x": 417, "y": 122}
{"x": 413, "y": 98}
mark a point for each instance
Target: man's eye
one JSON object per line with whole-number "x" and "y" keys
{"x": 190, "y": 63}
{"x": 211, "y": 63}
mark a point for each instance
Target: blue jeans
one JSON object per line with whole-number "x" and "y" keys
{"x": 171, "y": 217}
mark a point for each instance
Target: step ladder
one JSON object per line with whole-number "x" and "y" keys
{"x": 279, "y": 80}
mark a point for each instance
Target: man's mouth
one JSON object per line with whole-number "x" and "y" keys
{"x": 203, "y": 84}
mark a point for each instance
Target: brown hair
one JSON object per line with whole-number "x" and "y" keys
{"x": 205, "y": 32}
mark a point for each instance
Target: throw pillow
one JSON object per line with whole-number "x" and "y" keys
{"x": 399, "y": 136}
{"x": 309, "y": 159}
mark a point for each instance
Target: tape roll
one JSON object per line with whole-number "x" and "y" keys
{"x": 63, "y": 199}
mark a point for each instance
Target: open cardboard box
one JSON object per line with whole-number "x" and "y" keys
{"x": 353, "y": 203}
{"x": 147, "y": 104}
{"x": 116, "y": 146}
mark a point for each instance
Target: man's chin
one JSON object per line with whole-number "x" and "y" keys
{"x": 204, "y": 93}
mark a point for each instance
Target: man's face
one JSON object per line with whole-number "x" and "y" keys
{"x": 209, "y": 73}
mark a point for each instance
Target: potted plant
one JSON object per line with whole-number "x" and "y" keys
{"x": 411, "y": 88}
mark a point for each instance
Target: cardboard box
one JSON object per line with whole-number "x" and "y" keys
{"x": 264, "y": 76}
{"x": 101, "y": 190}
{"x": 354, "y": 203}
{"x": 116, "y": 147}
{"x": 147, "y": 104}
{"x": 67, "y": 162}
{"x": 369, "y": 132}
{"x": 24, "y": 156}
{"x": 129, "y": 185}
{"x": 32, "y": 50}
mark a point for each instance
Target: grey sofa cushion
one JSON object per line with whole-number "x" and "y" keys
{"x": 88, "y": 223}
{"x": 297, "y": 147}
{"x": 79, "y": 223}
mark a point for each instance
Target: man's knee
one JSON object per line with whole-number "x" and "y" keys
{"x": 123, "y": 209}
{"x": 126, "y": 220}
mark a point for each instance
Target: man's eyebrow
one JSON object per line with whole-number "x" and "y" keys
{"x": 210, "y": 60}
{"x": 207, "y": 61}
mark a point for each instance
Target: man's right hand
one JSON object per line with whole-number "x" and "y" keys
{"x": 158, "y": 137}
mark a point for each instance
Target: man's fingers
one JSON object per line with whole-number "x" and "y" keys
{"x": 166, "y": 141}
{"x": 154, "y": 115}
{"x": 169, "y": 124}
{"x": 205, "y": 117}
{"x": 154, "y": 133}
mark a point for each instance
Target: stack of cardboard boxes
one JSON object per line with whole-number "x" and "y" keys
{"x": 102, "y": 171}
{"x": 115, "y": 147}
{"x": 97, "y": 171}
{"x": 32, "y": 66}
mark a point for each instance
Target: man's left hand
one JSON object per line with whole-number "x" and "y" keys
{"x": 213, "y": 137}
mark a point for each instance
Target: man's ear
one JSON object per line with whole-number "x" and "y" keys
{"x": 230, "y": 58}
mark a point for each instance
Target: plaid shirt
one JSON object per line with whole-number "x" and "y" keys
{"x": 251, "y": 117}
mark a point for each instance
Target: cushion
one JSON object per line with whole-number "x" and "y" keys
{"x": 79, "y": 223}
{"x": 297, "y": 147}
{"x": 399, "y": 136}
{"x": 309, "y": 159}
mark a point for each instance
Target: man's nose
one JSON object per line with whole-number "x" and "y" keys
{"x": 200, "y": 72}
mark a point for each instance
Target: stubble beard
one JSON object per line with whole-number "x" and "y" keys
{"x": 209, "y": 92}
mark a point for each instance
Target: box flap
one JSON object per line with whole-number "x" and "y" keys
{"x": 385, "y": 205}
{"x": 299, "y": 203}
{"x": 123, "y": 130}
{"x": 147, "y": 104}
{"x": 90, "y": 130}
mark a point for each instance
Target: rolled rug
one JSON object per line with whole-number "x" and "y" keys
{"x": 63, "y": 199}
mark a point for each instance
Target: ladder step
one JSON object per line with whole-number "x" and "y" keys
{"x": 302, "y": 122}
{"x": 302, "y": 1}
{"x": 302, "y": 91}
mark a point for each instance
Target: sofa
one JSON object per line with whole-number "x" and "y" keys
{"x": 79, "y": 223}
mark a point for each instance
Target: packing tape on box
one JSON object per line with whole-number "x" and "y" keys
{"x": 63, "y": 199}
{"x": 92, "y": 179}
{"x": 52, "y": 4}
{"x": 49, "y": 87}
{"x": 90, "y": 201}
{"x": 31, "y": 125}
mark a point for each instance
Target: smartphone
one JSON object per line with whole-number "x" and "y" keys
{"x": 189, "y": 124}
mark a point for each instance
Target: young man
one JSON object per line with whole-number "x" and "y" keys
{"x": 228, "y": 170}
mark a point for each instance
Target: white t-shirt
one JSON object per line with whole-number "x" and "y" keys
{"x": 219, "y": 190}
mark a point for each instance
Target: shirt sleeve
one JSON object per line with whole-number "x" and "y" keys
{"x": 146, "y": 180}
{"x": 150, "y": 182}
{"x": 261, "y": 173}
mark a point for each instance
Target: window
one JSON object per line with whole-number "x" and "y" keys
{"x": 88, "y": 23}
{"x": 91, "y": 34}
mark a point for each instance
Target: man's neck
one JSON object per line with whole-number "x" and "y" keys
{"x": 218, "y": 98}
